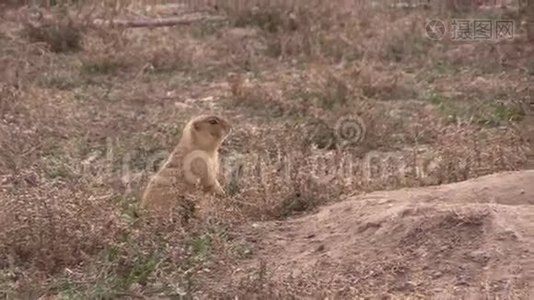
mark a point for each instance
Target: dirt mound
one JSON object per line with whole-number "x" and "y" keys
{"x": 469, "y": 239}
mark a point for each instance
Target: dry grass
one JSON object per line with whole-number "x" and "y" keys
{"x": 86, "y": 115}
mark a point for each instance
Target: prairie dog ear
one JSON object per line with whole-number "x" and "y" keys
{"x": 196, "y": 125}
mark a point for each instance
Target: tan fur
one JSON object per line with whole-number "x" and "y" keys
{"x": 201, "y": 138}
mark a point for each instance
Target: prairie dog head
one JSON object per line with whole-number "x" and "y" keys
{"x": 208, "y": 131}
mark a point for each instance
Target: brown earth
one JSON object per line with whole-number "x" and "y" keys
{"x": 470, "y": 239}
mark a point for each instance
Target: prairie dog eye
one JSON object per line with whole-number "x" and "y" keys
{"x": 213, "y": 122}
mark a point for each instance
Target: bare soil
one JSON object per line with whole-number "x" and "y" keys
{"x": 470, "y": 239}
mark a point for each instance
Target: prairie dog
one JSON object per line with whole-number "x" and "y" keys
{"x": 193, "y": 162}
